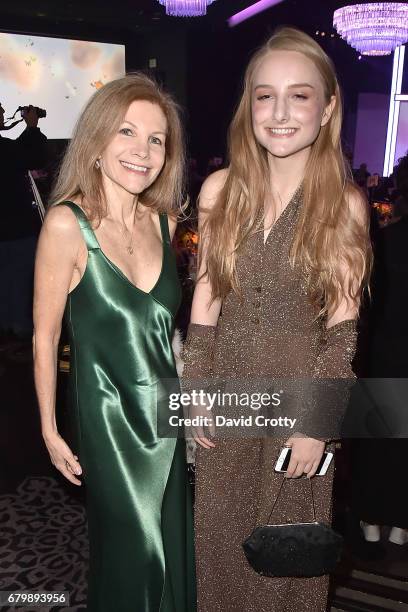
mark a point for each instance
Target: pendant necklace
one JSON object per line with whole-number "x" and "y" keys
{"x": 129, "y": 247}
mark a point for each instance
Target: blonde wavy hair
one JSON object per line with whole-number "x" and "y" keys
{"x": 78, "y": 176}
{"x": 327, "y": 236}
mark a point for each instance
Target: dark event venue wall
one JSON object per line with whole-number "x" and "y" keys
{"x": 218, "y": 56}
{"x": 202, "y": 60}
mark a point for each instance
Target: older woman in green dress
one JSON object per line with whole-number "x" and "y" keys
{"x": 105, "y": 260}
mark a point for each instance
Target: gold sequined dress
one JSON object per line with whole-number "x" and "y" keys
{"x": 269, "y": 331}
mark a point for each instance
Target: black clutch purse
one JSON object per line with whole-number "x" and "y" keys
{"x": 293, "y": 549}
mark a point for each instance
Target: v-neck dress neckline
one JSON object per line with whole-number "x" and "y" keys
{"x": 294, "y": 199}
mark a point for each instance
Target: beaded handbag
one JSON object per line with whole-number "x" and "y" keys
{"x": 293, "y": 549}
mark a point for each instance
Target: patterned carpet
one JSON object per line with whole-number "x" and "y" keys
{"x": 44, "y": 546}
{"x": 43, "y": 542}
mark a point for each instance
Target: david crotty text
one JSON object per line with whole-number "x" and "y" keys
{"x": 222, "y": 421}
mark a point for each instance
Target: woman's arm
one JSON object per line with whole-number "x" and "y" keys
{"x": 55, "y": 268}
{"x": 333, "y": 361}
{"x": 202, "y": 311}
{"x": 198, "y": 352}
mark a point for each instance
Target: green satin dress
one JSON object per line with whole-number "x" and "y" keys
{"x": 138, "y": 499}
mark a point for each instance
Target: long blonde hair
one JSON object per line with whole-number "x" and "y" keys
{"x": 326, "y": 234}
{"x": 99, "y": 122}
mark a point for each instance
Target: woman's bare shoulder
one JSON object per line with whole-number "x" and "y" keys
{"x": 357, "y": 202}
{"x": 212, "y": 186}
{"x": 61, "y": 221}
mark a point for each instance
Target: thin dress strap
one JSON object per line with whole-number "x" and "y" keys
{"x": 164, "y": 226}
{"x": 86, "y": 229}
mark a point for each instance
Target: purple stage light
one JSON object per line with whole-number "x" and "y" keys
{"x": 252, "y": 10}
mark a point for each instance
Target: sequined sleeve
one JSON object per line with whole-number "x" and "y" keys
{"x": 326, "y": 399}
{"x": 198, "y": 351}
{"x": 337, "y": 353}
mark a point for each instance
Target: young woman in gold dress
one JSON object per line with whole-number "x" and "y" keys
{"x": 285, "y": 253}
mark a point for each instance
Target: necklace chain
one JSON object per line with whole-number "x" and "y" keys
{"x": 129, "y": 247}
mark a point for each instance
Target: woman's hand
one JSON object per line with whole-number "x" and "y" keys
{"x": 62, "y": 457}
{"x": 305, "y": 457}
{"x": 203, "y": 415}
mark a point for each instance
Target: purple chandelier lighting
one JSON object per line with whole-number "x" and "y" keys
{"x": 373, "y": 28}
{"x": 186, "y": 8}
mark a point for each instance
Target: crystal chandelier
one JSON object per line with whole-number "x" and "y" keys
{"x": 374, "y": 28}
{"x": 186, "y": 8}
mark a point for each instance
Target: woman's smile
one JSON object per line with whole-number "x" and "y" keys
{"x": 134, "y": 168}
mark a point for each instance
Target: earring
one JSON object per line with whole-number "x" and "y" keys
{"x": 97, "y": 164}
